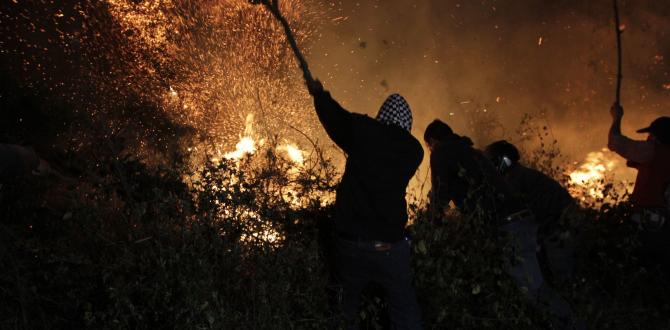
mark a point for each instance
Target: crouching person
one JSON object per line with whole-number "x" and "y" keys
{"x": 464, "y": 176}
{"x": 550, "y": 203}
{"x": 370, "y": 208}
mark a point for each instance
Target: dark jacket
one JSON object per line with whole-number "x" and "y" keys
{"x": 542, "y": 194}
{"x": 381, "y": 159}
{"x": 465, "y": 176}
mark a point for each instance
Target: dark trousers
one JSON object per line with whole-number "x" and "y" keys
{"x": 358, "y": 264}
{"x": 654, "y": 235}
{"x": 655, "y": 249}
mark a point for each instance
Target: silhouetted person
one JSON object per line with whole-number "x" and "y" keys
{"x": 651, "y": 195}
{"x": 548, "y": 201}
{"x": 370, "y": 208}
{"x": 464, "y": 176}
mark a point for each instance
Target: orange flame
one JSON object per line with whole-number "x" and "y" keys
{"x": 294, "y": 153}
{"x": 589, "y": 180}
{"x": 247, "y": 144}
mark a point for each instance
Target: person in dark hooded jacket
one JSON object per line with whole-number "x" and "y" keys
{"x": 463, "y": 175}
{"x": 370, "y": 207}
{"x": 547, "y": 199}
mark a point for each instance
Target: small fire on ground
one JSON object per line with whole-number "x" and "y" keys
{"x": 600, "y": 171}
{"x": 248, "y": 146}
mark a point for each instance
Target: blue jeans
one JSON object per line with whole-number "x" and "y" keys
{"x": 559, "y": 256}
{"x": 358, "y": 264}
{"x": 523, "y": 265}
{"x": 524, "y": 268}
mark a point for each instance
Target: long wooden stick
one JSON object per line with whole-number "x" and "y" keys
{"x": 273, "y": 7}
{"x": 618, "y": 48}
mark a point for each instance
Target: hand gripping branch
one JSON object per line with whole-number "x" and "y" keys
{"x": 273, "y": 7}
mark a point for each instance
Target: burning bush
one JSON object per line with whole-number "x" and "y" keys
{"x": 140, "y": 249}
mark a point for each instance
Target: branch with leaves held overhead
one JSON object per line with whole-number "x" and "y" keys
{"x": 273, "y": 7}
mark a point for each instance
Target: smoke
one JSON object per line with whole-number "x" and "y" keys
{"x": 482, "y": 65}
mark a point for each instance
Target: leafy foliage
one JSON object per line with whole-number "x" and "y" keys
{"x": 156, "y": 252}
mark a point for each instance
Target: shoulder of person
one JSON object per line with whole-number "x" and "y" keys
{"x": 529, "y": 171}
{"x": 446, "y": 153}
{"x": 418, "y": 148}
{"x": 540, "y": 176}
{"x": 658, "y": 146}
{"x": 363, "y": 119}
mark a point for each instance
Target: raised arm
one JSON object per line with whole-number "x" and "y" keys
{"x": 632, "y": 150}
{"x": 335, "y": 120}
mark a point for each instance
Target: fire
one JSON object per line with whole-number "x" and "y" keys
{"x": 594, "y": 168}
{"x": 264, "y": 232}
{"x": 590, "y": 180}
{"x": 220, "y": 60}
{"x": 246, "y": 146}
{"x": 294, "y": 153}
{"x": 205, "y": 65}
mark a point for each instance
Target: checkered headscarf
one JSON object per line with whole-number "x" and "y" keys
{"x": 396, "y": 111}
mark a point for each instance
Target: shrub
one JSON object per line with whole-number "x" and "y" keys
{"x": 128, "y": 246}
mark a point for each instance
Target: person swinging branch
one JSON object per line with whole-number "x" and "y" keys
{"x": 651, "y": 196}
{"x": 370, "y": 245}
{"x": 370, "y": 206}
